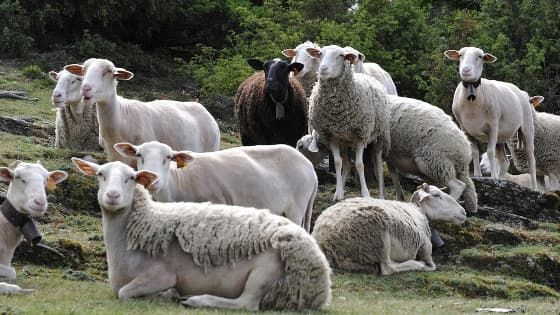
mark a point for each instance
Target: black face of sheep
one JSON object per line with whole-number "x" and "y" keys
{"x": 277, "y": 84}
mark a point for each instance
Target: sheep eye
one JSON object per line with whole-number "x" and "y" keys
{"x": 79, "y": 79}
{"x": 21, "y": 179}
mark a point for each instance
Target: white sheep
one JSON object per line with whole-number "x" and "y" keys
{"x": 310, "y": 146}
{"x": 544, "y": 183}
{"x": 374, "y": 70}
{"x": 547, "y": 149}
{"x": 25, "y": 198}
{"x": 219, "y": 255}
{"x": 274, "y": 177}
{"x": 182, "y": 125}
{"x": 76, "y": 124}
{"x": 491, "y": 111}
{"x": 348, "y": 111}
{"x": 308, "y": 75}
{"x": 426, "y": 142}
{"x": 372, "y": 235}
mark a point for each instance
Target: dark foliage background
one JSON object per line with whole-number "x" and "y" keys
{"x": 209, "y": 41}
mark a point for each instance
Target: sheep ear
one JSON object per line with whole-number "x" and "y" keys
{"x": 182, "y": 158}
{"x": 361, "y": 57}
{"x": 146, "y": 178}
{"x": 296, "y": 67}
{"x": 350, "y": 57}
{"x": 256, "y": 64}
{"x": 314, "y": 52}
{"x": 536, "y": 100}
{"x": 53, "y": 75}
{"x": 126, "y": 149}
{"x": 289, "y": 52}
{"x": 56, "y": 177}
{"x": 488, "y": 58}
{"x": 419, "y": 195}
{"x": 313, "y": 147}
{"x": 452, "y": 54}
{"x": 123, "y": 74}
{"x": 85, "y": 167}
{"x": 6, "y": 174}
{"x": 75, "y": 69}
{"x": 14, "y": 164}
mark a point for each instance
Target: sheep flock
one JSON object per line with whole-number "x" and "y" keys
{"x": 231, "y": 228}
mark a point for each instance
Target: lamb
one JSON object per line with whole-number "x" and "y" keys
{"x": 270, "y": 106}
{"x": 133, "y": 121}
{"x": 372, "y": 235}
{"x": 222, "y": 177}
{"x": 219, "y": 255}
{"x": 426, "y": 142}
{"x": 25, "y": 198}
{"x": 547, "y": 149}
{"x": 76, "y": 124}
{"x": 348, "y": 111}
{"x": 491, "y": 112}
{"x": 374, "y": 70}
{"x": 307, "y": 76}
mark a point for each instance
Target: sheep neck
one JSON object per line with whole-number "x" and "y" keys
{"x": 21, "y": 222}
{"x": 10, "y": 236}
{"x": 113, "y": 226}
{"x": 471, "y": 88}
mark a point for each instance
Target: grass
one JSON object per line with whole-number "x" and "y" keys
{"x": 465, "y": 280}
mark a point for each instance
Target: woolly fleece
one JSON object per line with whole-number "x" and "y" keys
{"x": 421, "y": 130}
{"x": 77, "y": 132}
{"x": 350, "y": 108}
{"x": 350, "y": 232}
{"x": 216, "y": 235}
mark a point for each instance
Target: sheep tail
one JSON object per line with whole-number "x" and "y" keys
{"x": 469, "y": 194}
{"x": 306, "y": 282}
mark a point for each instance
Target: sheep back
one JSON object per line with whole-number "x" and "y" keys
{"x": 350, "y": 108}
{"x": 350, "y": 232}
{"x": 77, "y": 132}
{"x": 547, "y": 146}
{"x": 256, "y": 113}
{"x": 244, "y": 233}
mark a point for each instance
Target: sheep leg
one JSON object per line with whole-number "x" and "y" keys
{"x": 378, "y": 163}
{"x": 267, "y": 270}
{"x": 456, "y": 188}
{"x": 528, "y": 137}
{"x": 359, "y": 163}
{"x": 7, "y": 272}
{"x": 552, "y": 182}
{"x": 491, "y": 151}
{"x": 425, "y": 254}
{"x": 339, "y": 192}
{"x": 399, "y": 194}
{"x": 12, "y": 289}
{"x": 502, "y": 159}
{"x": 475, "y": 157}
{"x": 153, "y": 280}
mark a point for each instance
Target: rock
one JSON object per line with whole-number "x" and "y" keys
{"x": 24, "y": 128}
{"x": 499, "y": 235}
{"x": 510, "y": 219}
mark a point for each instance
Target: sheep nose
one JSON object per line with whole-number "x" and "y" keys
{"x": 86, "y": 87}
{"x": 113, "y": 195}
{"x": 40, "y": 202}
{"x": 57, "y": 95}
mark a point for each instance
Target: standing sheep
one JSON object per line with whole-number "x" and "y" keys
{"x": 547, "y": 148}
{"x": 426, "y": 142}
{"x": 25, "y": 198}
{"x": 348, "y": 111}
{"x": 270, "y": 106}
{"x": 219, "y": 255}
{"x": 374, "y": 70}
{"x": 491, "y": 112}
{"x": 372, "y": 235}
{"x": 76, "y": 124}
{"x": 307, "y": 76}
{"x": 181, "y": 125}
{"x": 280, "y": 178}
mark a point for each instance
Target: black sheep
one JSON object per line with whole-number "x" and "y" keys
{"x": 272, "y": 110}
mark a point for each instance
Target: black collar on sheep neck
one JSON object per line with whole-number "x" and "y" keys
{"x": 21, "y": 221}
{"x": 471, "y": 86}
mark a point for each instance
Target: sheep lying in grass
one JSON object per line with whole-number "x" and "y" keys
{"x": 76, "y": 124}
{"x": 547, "y": 149}
{"x": 372, "y": 235}
{"x": 491, "y": 112}
{"x": 274, "y": 177}
{"x": 182, "y": 125}
{"x": 25, "y": 198}
{"x": 307, "y": 76}
{"x": 374, "y": 70}
{"x": 219, "y": 255}
{"x": 348, "y": 112}
{"x": 270, "y": 106}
